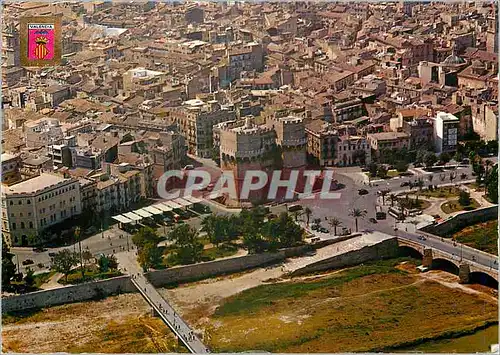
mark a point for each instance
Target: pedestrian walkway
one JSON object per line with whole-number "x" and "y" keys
{"x": 181, "y": 329}
{"x": 183, "y": 332}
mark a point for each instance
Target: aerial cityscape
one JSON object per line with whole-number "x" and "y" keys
{"x": 281, "y": 177}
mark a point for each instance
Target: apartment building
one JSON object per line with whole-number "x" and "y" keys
{"x": 31, "y": 206}
{"x": 328, "y": 146}
{"x": 11, "y": 165}
{"x": 144, "y": 82}
{"x": 117, "y": 193}
{"x": 42, "y": 132}
{"x": 195, "y": 119}
{"x": 420, "y": 131}
{"x": 388, "y": 140}
{"x": 445, "y": 134}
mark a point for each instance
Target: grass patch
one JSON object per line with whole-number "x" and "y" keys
{"x": 454, "y": 206}
{"x": 392, "y": 173}
{"x": 418, "y": 204}
{"x": 209, "y": 253}
{"x": 475, "y": 186}
{"x": 267, "y": 295}
{"x": 222, "y": 251}
{"x": 92, "y": 273}
{"x": 441, "y": 192}
{"x": 40, "y": 279}
{"x": 362, "y": 309}
{"x": 482, "y": 236}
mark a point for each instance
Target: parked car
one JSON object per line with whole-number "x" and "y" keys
{"x": 323, "y": 230}
{"x": 315, "y": 227}
{"x": 189, "y": 167}
{"x": 39, "y": 250}
{"x": 362, "y": 192}
{"x": 294, "y": 208}
{"x": 52, "y": 254}
{"x": 405, "y": 183}
{"x": 310, "y": 253}
{"x": 91, "y": 230}
{"x": 422, "y": 237}
{"x": 380, "y": 215}
{"x": 373, "y": 220}
{"x": 28, "y": 262}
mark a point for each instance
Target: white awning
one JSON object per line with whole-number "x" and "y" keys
{"x": 163, "y": 207}
{"x": 121, "y": 219}
{"x": 192, "y": 199}
{"x": 172, "y": 204}
{"x": 153, "y": 210}
{"x": 183, "y": 202}
{"x": 143, "y": 213}
{"x": 132, "y": 216}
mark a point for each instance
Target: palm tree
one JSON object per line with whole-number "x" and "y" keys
{"x": 308, "y": 213}
{"x": 87, "y": 256}
{"x": 463, "y": 176}
{"x": 402, "y": 205}
{"x": 452, "y": 177}
{"x": 384, "y": 193}
{"x": 77, "y": 237}
{"x": 334, "y": 222}
{"x": 420, "y": 184}
{"x": 442, "y": 177}
{"x": 357, "y": 213}
{"x": 393, "y": 198}
{"x": 488, "y": 165}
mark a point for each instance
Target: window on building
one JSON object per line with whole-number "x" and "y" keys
{"x": 21, "y": 214}
{"x": 28, "y": 202}
{"x": 11, "y": 203}
{"x": 20, "y": 202}
{"x": 22, "y": 225}
{"x": 14, "y": 226}
{"x": 31, "y": 224}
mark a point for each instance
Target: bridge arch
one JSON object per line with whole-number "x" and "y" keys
{"x": 406, "y": 250}
{"x": 445, "y": 265}
{"x": 482, "y": 278}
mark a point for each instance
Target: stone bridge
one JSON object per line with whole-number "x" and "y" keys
{"x": 467, "y": 270}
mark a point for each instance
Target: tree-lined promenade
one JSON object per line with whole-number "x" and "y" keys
{"x": 253, "y": 229}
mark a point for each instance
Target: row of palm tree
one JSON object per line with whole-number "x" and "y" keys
{"x": 334, "y": 222}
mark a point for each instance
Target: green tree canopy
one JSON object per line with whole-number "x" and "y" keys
{"x": 492, "y": 184}
{"x": 430, "y": 159}
{"x": 64, "y": 261}
{"x": 29, "y": 279}
{"x": 444, "y": 158}
{"x": 145, "y": 235}
{"x": 464, "y": 198}
{"x": 8, "y": 267}
{"x": 283, "y": 232}
{"x": 150, "y": 256}
{"x": 187, "y": 243}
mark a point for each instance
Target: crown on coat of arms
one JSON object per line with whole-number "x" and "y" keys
{"x": 41, "y": 40}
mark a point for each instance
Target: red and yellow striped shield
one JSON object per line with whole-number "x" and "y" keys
{"x": 41, "y": 51}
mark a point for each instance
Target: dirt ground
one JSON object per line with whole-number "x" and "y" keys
{"x": 115, "y": 324}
